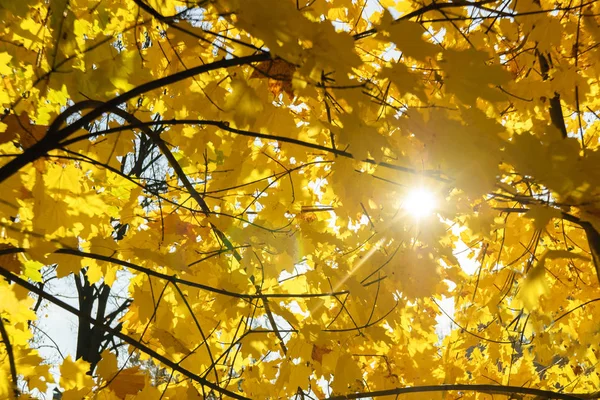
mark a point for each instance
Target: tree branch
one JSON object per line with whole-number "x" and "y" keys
{"x": 495, "y": 389}
{"x": 116, "y": 333}
{"x": 176, "y": 280}
{"x": 11, "y": 358}
{"x": 593, "y": 238}
{"x": 556, "y": 114}
{"x": 224, "y": 125}
{"x": 423, "y": 10}
{"x": 174, "y": 164}
{"x": 52, "y": 138}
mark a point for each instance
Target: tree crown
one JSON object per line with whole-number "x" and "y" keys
{"x": 297, "y": 192}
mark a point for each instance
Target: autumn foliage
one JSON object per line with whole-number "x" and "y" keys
{"x": 247, "y": 170}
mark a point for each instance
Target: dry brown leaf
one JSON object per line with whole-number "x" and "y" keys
{"x": 279, "y": 73}
{"x": 28, "y": 134}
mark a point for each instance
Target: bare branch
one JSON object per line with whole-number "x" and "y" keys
{"x": 492, "y": 389}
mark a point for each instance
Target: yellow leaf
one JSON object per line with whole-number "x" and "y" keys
{"x": 170, "y": 342}
{"x": 243, "y": 103}
{"x": 50, "y": 212}
{"x": 408, "y": 37}
{"x": 534, "y": 287}
{"x": 347, "y": 374}
{"x": 150, "y": 392}
{"x": 542, "y": 215}
{"x": 469, "y": 76}
{"x": 299, "y": 376}
{"x": 535, "y": 284}
{"x": 63, "y": 178}
{"x": 107, "y": 366}
{"x": 405, "y": 80}
{"x": 18, "y": 310}
{"x": 73, "y": 374}
{"x": 33, "y": 270}
{"x": 5, "y": 68}
{"x": 128, "y": 381}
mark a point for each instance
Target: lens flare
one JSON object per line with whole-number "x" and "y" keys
{"x": 419, "y": 203}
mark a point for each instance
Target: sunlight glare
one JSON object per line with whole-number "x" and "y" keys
{"x": 419, "y": 202}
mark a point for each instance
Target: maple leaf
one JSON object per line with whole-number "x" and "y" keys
{"x": 10, "y": 261}
{"x": 73, "y": 374}
{"x": 21, "y": 126}
{"x": 408, "y": 37}
{"x": 279, "y": 74}
{"x": 243, "y": 103}
{"x": 469, "y": 77}
{"x": 318, "y": 352}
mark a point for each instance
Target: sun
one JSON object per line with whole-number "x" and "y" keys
{"x": 419, "y": 202}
